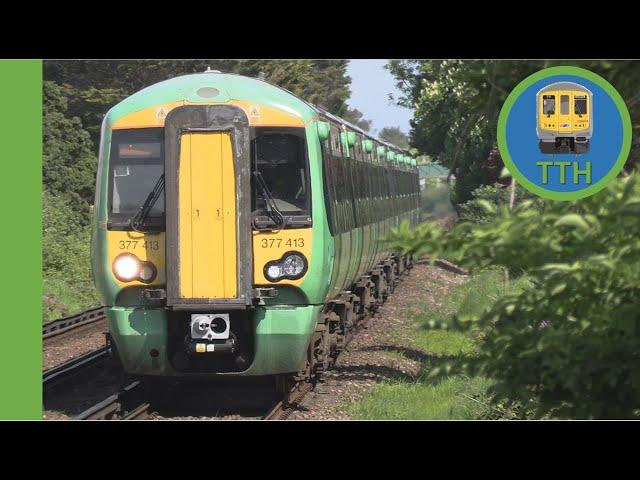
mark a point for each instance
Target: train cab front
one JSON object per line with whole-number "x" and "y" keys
{"x": 208, "y": 244}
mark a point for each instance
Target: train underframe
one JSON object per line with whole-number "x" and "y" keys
{"x": 559, "y": 145}
{"x": 262, "y": 341}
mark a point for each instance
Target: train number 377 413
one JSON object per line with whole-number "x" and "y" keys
{"x": 133, "y": 244}
{"x": 280, "y": 242}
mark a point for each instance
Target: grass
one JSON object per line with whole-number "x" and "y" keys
{"x": 444, "y": 398}
{"x": 62, "y": 298}
{"x": 452, "y": 398}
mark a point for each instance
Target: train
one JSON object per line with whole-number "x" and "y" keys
{"x": 238, "y": 229}
{"x": 564, "y": 118}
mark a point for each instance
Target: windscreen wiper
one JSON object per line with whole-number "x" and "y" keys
{"x": 272, "y": 210}
{"x": 139, "y": 218}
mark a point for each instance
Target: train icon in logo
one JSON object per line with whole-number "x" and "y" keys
{"x": 564, "y": 118}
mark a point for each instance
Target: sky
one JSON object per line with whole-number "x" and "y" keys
{"x": 370, "y": 86}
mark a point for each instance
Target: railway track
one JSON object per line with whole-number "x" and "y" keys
{"x": 62, "y": 327}
{"x": 285, "y": 407}
{"x": 73, "y": 322}
{"x": 127, "y": 404}
{"x": 133, "y": 403}
{"x": 69, "y": 369}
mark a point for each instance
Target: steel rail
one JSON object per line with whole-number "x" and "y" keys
{"x": 284, "y": 408}
{"x": 66, "y": 324}
{"x": 70, "y": 368}
{"x": 119, "y": 405}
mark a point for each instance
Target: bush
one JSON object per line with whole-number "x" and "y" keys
{"x": 497, "y": 195}
{"x": 569, "y": 346}
{"x": 68, "y": 286}
{"x": 435, "y": 199}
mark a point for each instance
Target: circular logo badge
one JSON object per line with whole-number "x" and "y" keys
{"x": 564, "y": 133}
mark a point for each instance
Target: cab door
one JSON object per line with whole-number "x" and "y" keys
{"x": 207, "y": 216}
{"x": 565, "y": 117}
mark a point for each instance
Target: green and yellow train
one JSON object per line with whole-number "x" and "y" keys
{"x": 237, "y": 228}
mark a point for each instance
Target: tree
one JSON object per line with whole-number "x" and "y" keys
{"x": 457, "y": 103}
{"x": 394, "y": 136}
{"x": 69, "y": 165}
{"x": 354, "y": 116}
{"x": 94, "y": 86}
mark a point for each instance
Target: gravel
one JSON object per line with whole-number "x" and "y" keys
{"x": 66, "y": 346}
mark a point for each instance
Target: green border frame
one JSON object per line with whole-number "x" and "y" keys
{"x": 626, "y": 132}
{"x": 21, "y": 244}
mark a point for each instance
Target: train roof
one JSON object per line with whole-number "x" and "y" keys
{"x": 230, "y": 87}
{"x": 564, "y": 86}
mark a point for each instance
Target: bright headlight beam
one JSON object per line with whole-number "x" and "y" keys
{"x": 126, "y": 267}
{"x": 274, "y": 272}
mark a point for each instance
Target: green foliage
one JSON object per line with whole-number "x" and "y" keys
{"x": 353, "y": 115}
{"x": 69, "y": 165}
{"x": 569, "y": 346}
{"x": 457, "y": 103}
{"x": 68, "y": 286}
{"x": 431, "y": 395}
{"x": 94, "y": 86}
{"x": 453, "y": 398}
{"x": 435, "y": 199}
{"x": 395, "y": 136}
{"x": 477, "y": 210}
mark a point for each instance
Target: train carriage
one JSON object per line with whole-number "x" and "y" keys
{"x": 237, "y": 228}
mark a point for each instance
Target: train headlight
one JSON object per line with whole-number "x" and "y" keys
{"x": 274, "y": 272}
{"x": 126, "y": 267}
{"x": 291, "y": 266}
{"x": 147, "y": 272}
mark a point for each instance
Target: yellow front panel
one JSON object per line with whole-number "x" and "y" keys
{"x": 569, "y": 121}
{"x": 268, "y": 246}
{"x": 258, "y": 115}
{"x": 207, "y": 216}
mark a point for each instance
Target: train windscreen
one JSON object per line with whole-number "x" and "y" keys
{"x": 280, "y": 172}
{"x": 136, "y": 165}
{"x": 549, "y": 104}
{"x": 580, "y": 106}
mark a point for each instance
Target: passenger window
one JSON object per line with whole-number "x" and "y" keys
{"x": 564, "y": 104}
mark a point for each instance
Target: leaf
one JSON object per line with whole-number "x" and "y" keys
{"x": 572, "y": 220}
{"x": 487, "y": 206}
{"x": 505, "y": 173}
